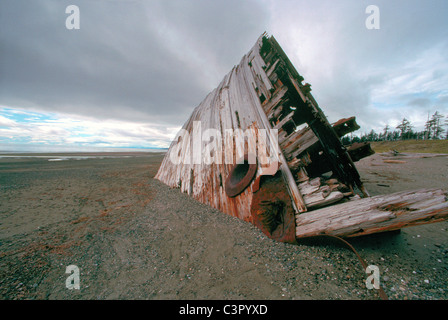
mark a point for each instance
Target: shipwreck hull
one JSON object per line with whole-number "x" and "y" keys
{"x": 259, "y": 148}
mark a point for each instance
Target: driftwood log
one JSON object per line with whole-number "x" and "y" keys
{"x": 375, "y": 214}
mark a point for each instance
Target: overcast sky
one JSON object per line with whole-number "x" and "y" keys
{"x": 135, "y": 70}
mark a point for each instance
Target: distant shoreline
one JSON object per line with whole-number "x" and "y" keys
{"x": 81, "y": 153}
{"x": 66, "y": 156}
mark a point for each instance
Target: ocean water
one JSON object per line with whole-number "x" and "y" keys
{"x": 63, "y": 157}
{"x": 77, "y": 155}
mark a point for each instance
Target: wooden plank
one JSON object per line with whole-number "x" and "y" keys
{"x": 272, "y": 68}
{"x": 284, "y": 120}
{"x": 298, "y": 139}
{"x": 321, "y": 199}
{"x": 375, "y": 214}
{"x": 307, "y": 140}
{"x": 258, "y": 64}
{"x": 276, "y": 98}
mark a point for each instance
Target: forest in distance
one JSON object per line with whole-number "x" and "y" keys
{"x": 434, "y": 130}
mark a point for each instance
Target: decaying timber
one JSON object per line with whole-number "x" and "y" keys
{"x": 299, "y": 181}
{"x": 375, "y": 214}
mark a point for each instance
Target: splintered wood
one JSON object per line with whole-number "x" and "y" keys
{"x": 375, "y": 214}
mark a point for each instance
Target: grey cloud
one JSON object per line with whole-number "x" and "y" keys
{"x": 357, "y": 62}
{"x": 443, "y": 100}
{"x": 154, "y": 61}
{"x": 118, "y": 65}
{"x": 420, "y": 102}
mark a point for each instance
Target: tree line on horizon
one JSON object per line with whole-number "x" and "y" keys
{"x": 433, "y": 130}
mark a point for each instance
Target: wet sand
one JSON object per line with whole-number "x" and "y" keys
{"x": 133, "y": 237}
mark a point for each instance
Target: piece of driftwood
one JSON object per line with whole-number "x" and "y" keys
{"x": 394, "y": 154}
{"x": 302, "y": 181}
{"x": 394, "y": 161}
{"x": 316, "y": 194}
{"x": 375, "y": 214}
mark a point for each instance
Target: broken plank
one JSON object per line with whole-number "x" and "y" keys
{"x": 375, "y": 214}
{"x": 394, "y": 161}
{"x": 322, "y": 198}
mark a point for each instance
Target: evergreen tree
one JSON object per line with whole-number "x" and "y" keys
{"x": 434, "y": 129}
{"x": 405, "y": 128}
{"x": 437, "y": 125}
{"x": 446, "y": 123}
{"x": 385, "y": 134}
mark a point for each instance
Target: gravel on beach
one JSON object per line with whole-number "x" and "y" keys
{"x": 133, "y": 237}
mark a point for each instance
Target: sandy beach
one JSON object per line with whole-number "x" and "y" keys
{"x": 133, "y": 237}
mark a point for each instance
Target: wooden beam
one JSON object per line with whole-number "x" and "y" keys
{"x": 375, "y": 214}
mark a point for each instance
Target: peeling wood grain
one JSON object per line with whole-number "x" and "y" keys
{"x": 375, "y": 214}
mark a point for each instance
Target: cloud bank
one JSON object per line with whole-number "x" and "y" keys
{"x": 135, "y": 70}
{"x": 44, "y": 130}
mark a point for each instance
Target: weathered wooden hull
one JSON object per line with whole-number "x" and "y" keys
{"x": 293, "y": 163}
